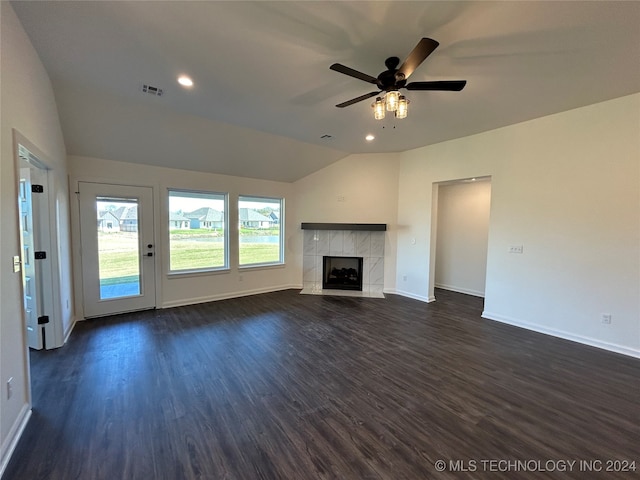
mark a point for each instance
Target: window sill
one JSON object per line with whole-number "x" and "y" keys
{"x": 261, "y": 266}
{"x": 197, "y": 273}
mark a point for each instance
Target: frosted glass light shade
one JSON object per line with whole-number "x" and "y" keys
{"x": 391, "y": 99}
{"x": 378, "y": 109}
{"x": 403, "y": 107}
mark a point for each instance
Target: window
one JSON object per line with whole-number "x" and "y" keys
{"x": 197, "y": 231}
{"x": 260, "y": 227}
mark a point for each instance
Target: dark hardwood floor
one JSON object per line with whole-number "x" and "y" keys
{"x": 289, "y": 386}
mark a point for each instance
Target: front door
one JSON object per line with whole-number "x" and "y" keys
{"x": 118, "y": 250}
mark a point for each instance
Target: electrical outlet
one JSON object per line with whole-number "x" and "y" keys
{"x": 9, "y": 388}
{"x": 606, "y": 318}
{"x": 516, "y": 249}
{"x": 404, "y": 278}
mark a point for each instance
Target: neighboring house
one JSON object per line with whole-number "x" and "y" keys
{"x": 127, "y": 218}
{"x": 249, "y": 218}
{"x": 206, "y": 217}
{"x": 108, "y": 222}
{"x": 178, "y": 221}
{"x": 275, "y": 218}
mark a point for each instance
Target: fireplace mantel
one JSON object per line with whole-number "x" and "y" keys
{"x": 362, "y": 227}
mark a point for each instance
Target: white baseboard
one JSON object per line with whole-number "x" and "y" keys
{"x": 70, "y": 329}
{"x": 410, "y": 295}
{"x": 466, "y": 291}
{"x": 612, "y": 347}
{"x": 226, "y": 296}
{"x": 9, "y": 445}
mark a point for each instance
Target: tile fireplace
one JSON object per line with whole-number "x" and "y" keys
{"x": 357, "y": 259}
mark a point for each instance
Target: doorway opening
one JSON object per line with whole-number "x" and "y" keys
{"x": 461, "y": 231}
{"x": 37, "y": 259}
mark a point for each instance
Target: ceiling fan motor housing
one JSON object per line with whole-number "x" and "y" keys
{"x": 390, "y": 79}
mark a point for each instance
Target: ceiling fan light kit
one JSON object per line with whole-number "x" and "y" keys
{"x": 393, "y": 79}
{"x": 391, "y": 102}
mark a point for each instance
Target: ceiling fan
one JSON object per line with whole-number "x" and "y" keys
{"x": 394, "y": 78}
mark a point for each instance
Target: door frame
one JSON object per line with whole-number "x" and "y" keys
{"x": 74, "y": 193}
{"x": 435, "y": 197}
{"x": 95, "y": 305}
{"x": 26, "y": 154}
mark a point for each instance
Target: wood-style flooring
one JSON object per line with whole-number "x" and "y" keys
{"x": 302, "y": 387}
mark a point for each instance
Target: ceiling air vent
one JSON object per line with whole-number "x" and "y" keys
{"x": 152, "y": 90}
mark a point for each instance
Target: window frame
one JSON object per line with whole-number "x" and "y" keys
{"x": 224, "y": 196}
{"x": 281, "y": 229}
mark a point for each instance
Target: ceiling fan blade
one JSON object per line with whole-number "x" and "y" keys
{"x": 357, "y": 99}
{"x": 422, "y": 50}
{"x": 337, "y": 67}
{"x": 446, "y": 85}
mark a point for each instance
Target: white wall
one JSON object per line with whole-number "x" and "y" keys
{"x": 29, "y": 107}
{"x": 360, "y": 188}
{"x": 566, "y": 187}
{"x": 195, "y": 288}
{"x": 462, "y": 236}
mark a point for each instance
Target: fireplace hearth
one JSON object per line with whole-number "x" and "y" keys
{"x": 342, "y": 273}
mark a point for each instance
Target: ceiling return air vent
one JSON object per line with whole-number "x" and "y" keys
{"x": 150, "y": 89}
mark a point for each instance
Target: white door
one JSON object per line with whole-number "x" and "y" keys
{"x": 118, "y": 251}
{"x": 32, "y": 303}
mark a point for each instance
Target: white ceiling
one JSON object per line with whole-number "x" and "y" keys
{"x": 264, "y": 94}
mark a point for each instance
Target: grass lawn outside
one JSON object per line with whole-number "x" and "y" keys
{"x": 119, "y": 258}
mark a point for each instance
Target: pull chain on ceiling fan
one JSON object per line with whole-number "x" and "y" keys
{"x": 393, "y": 79}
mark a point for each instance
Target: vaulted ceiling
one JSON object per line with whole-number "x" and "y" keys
{"x": 264, "y": 96}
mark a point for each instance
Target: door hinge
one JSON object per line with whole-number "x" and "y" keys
{"x": 37, "y": 188}
{"x": 43, "y": 319}
{"x": 40, "y": 255}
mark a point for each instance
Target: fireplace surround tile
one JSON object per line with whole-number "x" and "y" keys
{"x": 336, "y": 242}
{"x": 347, "y": 243}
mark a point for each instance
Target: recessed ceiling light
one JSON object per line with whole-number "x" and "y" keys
{"x": 369, "y": 138}
{"x": 185, "y": 81}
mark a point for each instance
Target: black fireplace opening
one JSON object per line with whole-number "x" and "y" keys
{"x": 342, "y": 273}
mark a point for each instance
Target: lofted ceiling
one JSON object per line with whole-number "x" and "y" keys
{"x": 264, "y": 96}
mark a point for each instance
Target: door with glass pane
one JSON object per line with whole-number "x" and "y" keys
{"x": 118, "y": 251}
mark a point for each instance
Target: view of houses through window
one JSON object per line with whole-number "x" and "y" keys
{"x": 198, "y": 235}
{"x": 197, "y": 230}
{"x": 118, "y": 247}
{"x": 260, "y": 235}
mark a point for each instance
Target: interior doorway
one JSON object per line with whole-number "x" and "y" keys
{"x": 37, "y": 253}
{"x": 461, "y": 243}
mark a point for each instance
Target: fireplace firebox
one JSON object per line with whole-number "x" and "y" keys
{"x": 342, "y": 273}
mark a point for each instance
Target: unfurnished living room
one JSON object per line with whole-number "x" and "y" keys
{"x": 319, "y": 240}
